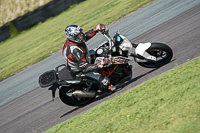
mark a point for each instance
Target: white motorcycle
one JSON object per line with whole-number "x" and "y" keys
{"x": 116, "y": 53}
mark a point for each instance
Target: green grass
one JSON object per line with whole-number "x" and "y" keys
{"x": 11, "y": 9}
{"x": 169, "y": 103}
{"x": 46, "y": 38}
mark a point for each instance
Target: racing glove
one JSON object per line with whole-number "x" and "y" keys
{"x": 99, "y": 27}
{"x": 104, "y": 63}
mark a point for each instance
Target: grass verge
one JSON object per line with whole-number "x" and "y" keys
{"x": 46, "y": 38}
{"x": 168, "y": 103}
{"x": 11, "y": 9}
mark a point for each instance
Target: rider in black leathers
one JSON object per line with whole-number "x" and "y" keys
{"x": 78, "y": 58}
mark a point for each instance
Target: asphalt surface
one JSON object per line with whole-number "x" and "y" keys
{"x": 175, "y": 22}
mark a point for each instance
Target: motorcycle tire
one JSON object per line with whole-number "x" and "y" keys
{"x": 162, "y": 52}
{"x": 64, "y": 94}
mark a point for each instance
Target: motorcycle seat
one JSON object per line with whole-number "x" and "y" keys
{"x": 64, "y": 74}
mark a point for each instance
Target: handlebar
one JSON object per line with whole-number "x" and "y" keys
{"x": 104, "y": 31}
{"x": 107, "y": 36}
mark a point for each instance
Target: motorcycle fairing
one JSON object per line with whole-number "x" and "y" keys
{"x": 126, "y": 44}
{"x": 141, "y": 50}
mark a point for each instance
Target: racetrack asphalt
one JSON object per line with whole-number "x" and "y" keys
{"x": 27, "y": 108}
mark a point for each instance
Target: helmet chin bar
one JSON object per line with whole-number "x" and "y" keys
{"x": 80, "y": 38}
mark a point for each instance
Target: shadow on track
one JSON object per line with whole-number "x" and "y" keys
{"x": 121, "y": 86}
{"x": 71, "y": 111}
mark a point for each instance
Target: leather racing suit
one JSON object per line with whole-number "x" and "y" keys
{"x": 78, "y": 60}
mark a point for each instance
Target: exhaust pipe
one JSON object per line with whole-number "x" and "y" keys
{"x": 82, "y": 94}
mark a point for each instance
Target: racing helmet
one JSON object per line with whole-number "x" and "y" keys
{"x": 75, "y": 33}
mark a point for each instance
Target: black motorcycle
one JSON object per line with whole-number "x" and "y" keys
{"x": 116, "y": 51}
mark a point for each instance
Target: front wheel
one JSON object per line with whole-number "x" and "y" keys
{"x": 162, "y": 52}
{"x": 66, "y": 96}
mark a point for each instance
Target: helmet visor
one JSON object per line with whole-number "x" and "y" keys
{"x": 81, "y": 37}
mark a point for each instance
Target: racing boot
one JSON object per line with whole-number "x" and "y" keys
{"x": 111, "y": 88}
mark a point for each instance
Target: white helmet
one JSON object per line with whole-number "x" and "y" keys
{"x": 72, "y": 32}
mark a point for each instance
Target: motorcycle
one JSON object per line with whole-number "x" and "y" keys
{"x": 116, "y": 52}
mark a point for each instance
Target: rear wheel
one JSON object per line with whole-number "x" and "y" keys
{"x": 162, "y": 52}
{"x": 66, "y": 96}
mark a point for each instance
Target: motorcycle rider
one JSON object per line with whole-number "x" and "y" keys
{"x": 78, "y": 58}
